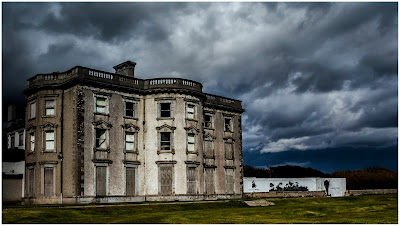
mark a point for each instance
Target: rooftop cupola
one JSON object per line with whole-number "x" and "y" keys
{"x": 127, "y": 68}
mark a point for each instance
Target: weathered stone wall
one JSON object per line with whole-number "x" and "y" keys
{"x": 371, "y": 192}
{"x": 285, "y": 194}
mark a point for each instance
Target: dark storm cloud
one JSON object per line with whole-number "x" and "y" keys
{"x": 310, "y": 75}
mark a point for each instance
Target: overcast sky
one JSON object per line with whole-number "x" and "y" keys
{"x": 318, "y": 80}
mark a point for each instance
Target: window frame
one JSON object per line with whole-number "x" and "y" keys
{"x": 21, "y": 138}
{"x": 165, "y": 129}
{"x": 106, "y": 104}
{"x": 12, "y": 141}
{"x": 46, "y": 108}
{"x": 134, "y": 149}
{"x": 211, "y": 125}
{"x": 171, "y": 108}
{"x": 188, "y": 143}
{"x": 230, "y": 129}
{"x": 194, "y": 109}
{"x": 46, "y": 140}
{"x": 106, "y": 139}
{"x": 32, "y": 110}
{"x": 134, "y": 108}
{"x": 32, "y": 134}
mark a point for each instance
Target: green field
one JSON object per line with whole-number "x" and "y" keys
{"x": 371, "y": 209}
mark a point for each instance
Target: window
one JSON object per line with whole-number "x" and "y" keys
{"x": 230, "y": 181}
{"x": 165, "y": 110}
{"x": 12, "y": 141}
{"x": 165, "y": 180}
{"x": 101, "y": 180}
{"x": 208, "y": 121}
{"x": 208, "y": 149}
{"x": 33, "y": 110}
{"x": 101, "y": 105}
{"x": 50, "y": 140}
{"x": 21, "y": 138}
{"x": 228, "y": 151}
{"x": 209, "y": 180}
{"x": 32, "y": 139}
{"x": 130, "y": 108}
{"x": 130, "y": 181}
{"x": 48, "y": 181}
{"x": 101, "y": 139}
{"x": 165, "y": 141}
{"x": 228, "y": 124}
{"x": 191, "y": 180}
{"x": 50, "y": 110}
{"x": 31, "y": 183}
{"x": 190, "y": 111}
{"x": 190, "y": 142}
{"x": 129, "y": 141}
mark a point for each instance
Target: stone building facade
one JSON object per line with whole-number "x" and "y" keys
{"x": 110, "y": 137}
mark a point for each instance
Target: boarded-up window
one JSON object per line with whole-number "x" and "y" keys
{"x": 229, "y": 182}
{"x": 228, "y": 151}
{"x": 33, "y": 110}
{"x": 191, "y": 180}
{"x": 190, "y": 142}
{"x": 31, "y": 182}
{"x": 50, "y": 140}
{"x": 209, "y": 179}
{"x": 50, "y": 110}
{"x": 129, "y": 141}
{"x": 101, "y": 180}
{"x": 166, "y": 180}
{"x": 130, "y": 181}
{"x": 208, "y": 149}
{"x": 48, "y": 181}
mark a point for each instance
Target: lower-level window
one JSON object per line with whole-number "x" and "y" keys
{"x": 48, "y": 181}
{"x": 130, "y": 181}
{"x": 101, "y": 180}
{"x": 191, "y": 180}
{"x": 209, "y": 180}
{"x": 165, "y": 180}
{"x": 31, "y": 183}
{"x": 230, "y": 182}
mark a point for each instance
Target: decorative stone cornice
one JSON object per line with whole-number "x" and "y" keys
{"x": 192, "y": 129}
{"x": 30, "y": 128}
{"x": 166, "y": 162}
{"x": 229, "y": 138}
{"x": 130, "y": 127}
{"x": 166, "y": 126}
{"x": 49, "y": 125}
{"x": 102, "y": 124}
{"x": 209, "y": 135}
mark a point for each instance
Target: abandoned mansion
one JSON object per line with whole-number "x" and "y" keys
{"x": 95, "y": 136}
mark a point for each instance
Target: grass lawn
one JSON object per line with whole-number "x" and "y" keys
{"x": 371, "y": 209}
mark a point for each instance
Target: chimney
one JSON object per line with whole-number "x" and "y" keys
{"x": 127, "y": 68}
{"x": 12, "y": 112}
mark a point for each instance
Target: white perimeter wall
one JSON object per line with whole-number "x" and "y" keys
{"x": 336, "y": 188}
